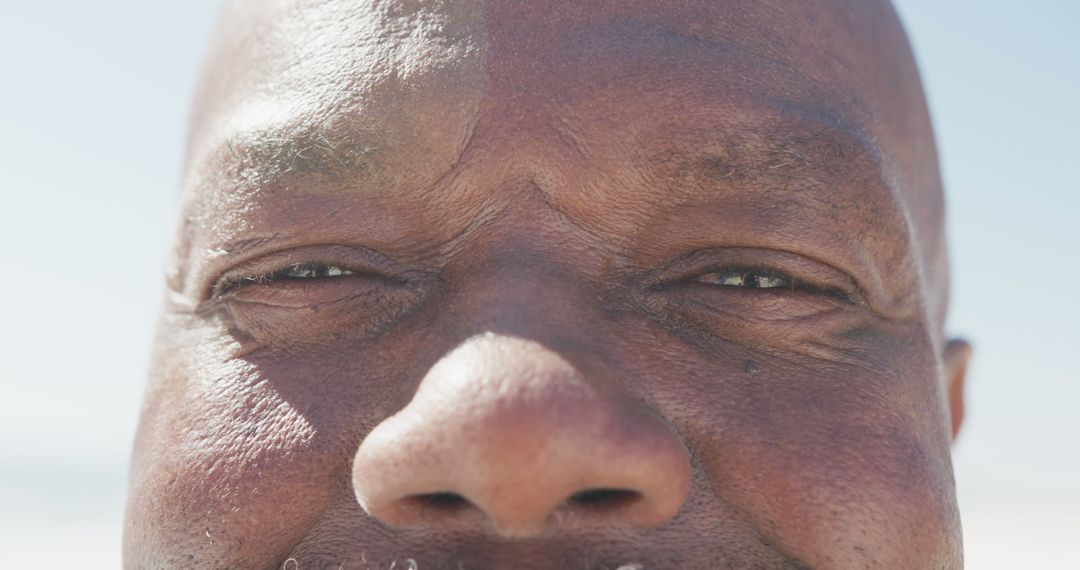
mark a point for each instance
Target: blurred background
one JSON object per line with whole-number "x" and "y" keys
{"x": 93, "y": 104}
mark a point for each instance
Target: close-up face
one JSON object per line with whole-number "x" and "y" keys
{"x": 485, "y": 284}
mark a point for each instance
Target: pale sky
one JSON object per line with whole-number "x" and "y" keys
{"x": 93, "y": 107}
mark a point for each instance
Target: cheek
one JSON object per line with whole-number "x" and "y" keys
{"x": 232, "y": 473}
{"x": 243, "y": 449}
{"x": 836, "y": 456}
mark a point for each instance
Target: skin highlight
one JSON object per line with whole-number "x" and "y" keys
{"x": 545, "y": 285}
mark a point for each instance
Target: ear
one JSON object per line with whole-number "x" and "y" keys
{"x": 956, "y": 357}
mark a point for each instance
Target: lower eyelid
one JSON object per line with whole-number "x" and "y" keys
{"x": 808, "y": 301}
{"x": 760, "y": 301}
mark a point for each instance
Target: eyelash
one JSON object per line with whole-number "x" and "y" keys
{"x": 297, "y": 271}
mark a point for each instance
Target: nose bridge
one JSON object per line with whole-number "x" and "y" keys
{"x": 524, "y": 291}
{"x": 505, "y": 434}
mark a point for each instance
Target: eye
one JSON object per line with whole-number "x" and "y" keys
{"x": 747, "y": 278}
{"x": 295, "y": 271}
{"x": 310, "y": 271}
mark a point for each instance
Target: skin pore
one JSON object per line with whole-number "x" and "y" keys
{"x": 486, "y": 284}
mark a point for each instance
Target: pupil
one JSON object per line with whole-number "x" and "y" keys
{"x": 301, "y": 271}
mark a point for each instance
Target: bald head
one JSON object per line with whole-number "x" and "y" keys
{"x": 491, "y": 283}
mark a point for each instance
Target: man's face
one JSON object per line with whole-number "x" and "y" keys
{"x": 542, "y": 285}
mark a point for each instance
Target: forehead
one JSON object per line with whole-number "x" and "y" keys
{"x": 373, "y": 64}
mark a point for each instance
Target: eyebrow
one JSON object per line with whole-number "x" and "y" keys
{"x": 269, "y": 154}
{"x": 769, "y": 156}
{"x": 786, "y": 155}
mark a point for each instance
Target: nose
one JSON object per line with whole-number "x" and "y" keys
{"x": 505, "y": 436}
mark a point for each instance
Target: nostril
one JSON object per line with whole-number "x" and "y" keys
{"x": 446, "y": 507}
{"x": 447, "y": 502}
{"x": 596, "y": 499}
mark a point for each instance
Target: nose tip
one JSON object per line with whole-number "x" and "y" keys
{"x": 506, "y": 437}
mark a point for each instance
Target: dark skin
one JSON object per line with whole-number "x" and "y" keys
{"x": 545, "y": 285}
